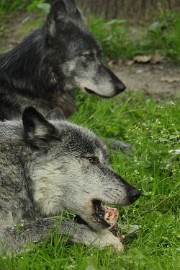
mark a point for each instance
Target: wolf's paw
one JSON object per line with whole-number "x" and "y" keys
{"x": 107, "y": 239}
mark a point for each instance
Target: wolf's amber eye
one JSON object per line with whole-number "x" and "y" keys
{"x": 89, "y": 56}
{"x": 93, "y": 160}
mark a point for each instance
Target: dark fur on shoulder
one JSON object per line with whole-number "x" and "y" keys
{"x": 58, "y": 57}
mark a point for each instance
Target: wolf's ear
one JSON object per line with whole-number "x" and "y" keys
{"x": 37, "y": 130}
{"x": 55, "y": 114}
{"x": 61, "y": 12}
{"x": 58, "y": 13}
{"x": 73, "y": 11}
{"x": 71, "y": 6}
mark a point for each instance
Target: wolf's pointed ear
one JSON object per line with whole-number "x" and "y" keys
{"x": 55, "y": 114}
{"x": 37, "y": 130}
{"x": 73, "y": 11}
{"x": 71, "y": 6}
{"x": 57, "y": 13}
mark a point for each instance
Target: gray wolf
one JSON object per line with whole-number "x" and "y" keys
{"x": 48, "y": 166}
{"x": 57, "y": 58}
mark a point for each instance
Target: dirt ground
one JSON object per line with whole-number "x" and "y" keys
{"x": 160, "y": 79}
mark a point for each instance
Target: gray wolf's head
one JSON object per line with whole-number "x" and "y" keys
{"x": 74, "y": 54}
{"x": 70, "y": 170}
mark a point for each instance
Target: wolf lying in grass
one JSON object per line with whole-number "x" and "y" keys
{"x": 47, "y": 166}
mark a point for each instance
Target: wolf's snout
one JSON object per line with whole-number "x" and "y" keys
{"x": 134, "y": 194}
{"x": 118, "y": 84}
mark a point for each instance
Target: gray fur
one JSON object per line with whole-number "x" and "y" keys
{"x": 50, "y": 166}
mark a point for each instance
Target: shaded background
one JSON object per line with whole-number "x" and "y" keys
{"x": 133, "y": 10}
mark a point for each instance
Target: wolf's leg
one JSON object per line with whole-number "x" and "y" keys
{"x": 83, "y": 234}
{"x": 15, "y": 239}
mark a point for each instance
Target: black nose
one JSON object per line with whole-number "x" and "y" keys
{"x": 120, "y": 87}
{"x": 134, "y": 194}
{"x": 118, "y": 84}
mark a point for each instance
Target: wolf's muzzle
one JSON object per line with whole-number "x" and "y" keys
{"x": 118, "y": 84}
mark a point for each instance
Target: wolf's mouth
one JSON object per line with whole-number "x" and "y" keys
{"x": 105, "y": 215}
{"x": 91, "y": 92}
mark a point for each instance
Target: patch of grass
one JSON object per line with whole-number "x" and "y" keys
{"x": 9, "y": 6}
{"x": 163, "y": 36}
{"x": 114, "y": 37}
{"x": 120, "y": 40}
{"x": 153, "y": 129}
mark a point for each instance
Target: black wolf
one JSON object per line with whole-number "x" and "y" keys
{"x": 55, "y": 59}
{"x": 48, "y": 166}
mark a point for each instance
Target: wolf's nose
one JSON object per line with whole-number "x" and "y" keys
{"x": 134, "y": 194}
{"x": 120, "y": 87}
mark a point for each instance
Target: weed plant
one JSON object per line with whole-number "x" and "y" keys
{"x": 8, "y": 6}
{"x": 120, "y": 40}
{"x": 163, "y": 36}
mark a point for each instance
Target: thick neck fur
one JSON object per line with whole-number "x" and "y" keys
{"x": 14, "y": 177}
{"x": 13, "y": 150}
{"x": 22, "y": 68}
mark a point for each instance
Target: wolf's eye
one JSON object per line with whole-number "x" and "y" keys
{"x": 89, "y": 56}
{"x": 93, "y": 160}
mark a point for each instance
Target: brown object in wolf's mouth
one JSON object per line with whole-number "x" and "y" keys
{"x": 110, "y": 215}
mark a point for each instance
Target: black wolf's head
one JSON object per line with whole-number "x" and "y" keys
{"x": 74, "y": 54}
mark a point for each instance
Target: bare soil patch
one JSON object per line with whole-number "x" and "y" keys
{"x": 162, "y": 80}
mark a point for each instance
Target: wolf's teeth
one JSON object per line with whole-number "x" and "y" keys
{"x": 106, "y": 216}
{"x": 110, "y": 218}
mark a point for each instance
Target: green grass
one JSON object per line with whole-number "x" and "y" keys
{"x": 114, "y": 37}
{"x": 8, "y": 6}
{"x": 152, "y": 127}
{"x": 163, "y": 36}
{"x": 120, "y": 40}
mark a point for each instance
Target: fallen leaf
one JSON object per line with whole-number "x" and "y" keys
{"x": 129, "y": 62}
{"x": 156, "y": 58}
{"x": 111, "y": 63}
{"x": 170, "y": 79}
{"x": 142, "y": 58}
{"x": 153, "y": 59}
{"x": 139, "y": 71}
